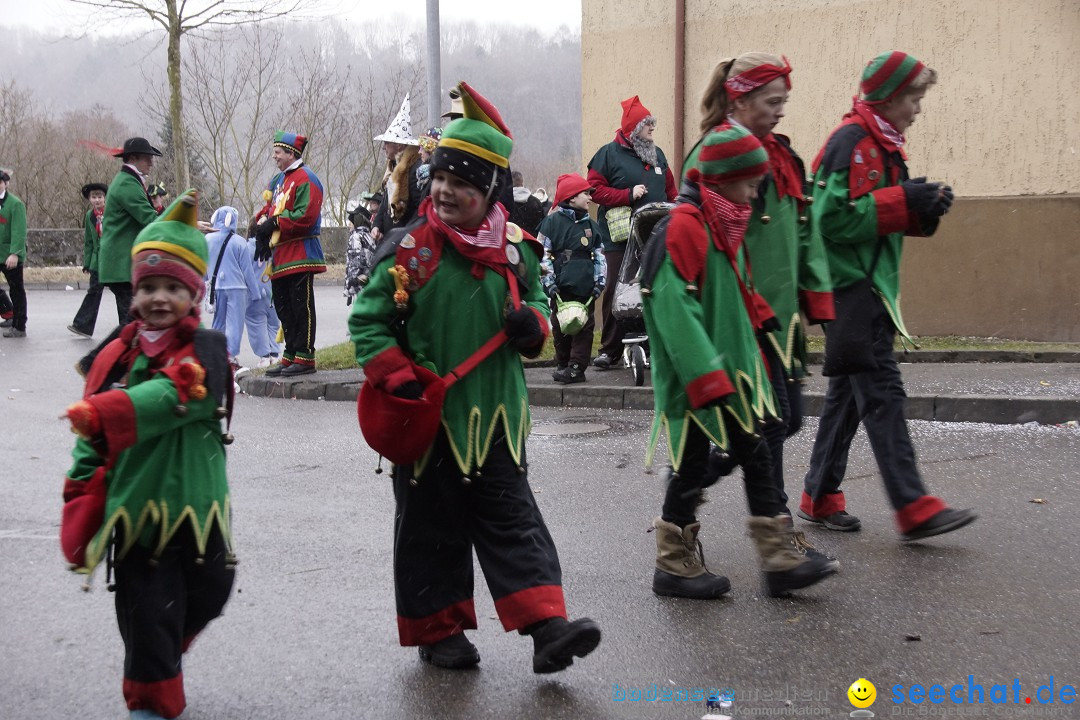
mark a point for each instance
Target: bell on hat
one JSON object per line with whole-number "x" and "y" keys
{"x": 457, "y": 108}
{"x": 400, "y": 129}
{"x": 137, "y": 146}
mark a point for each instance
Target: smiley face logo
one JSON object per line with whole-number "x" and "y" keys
{"x": 862, "y": 693}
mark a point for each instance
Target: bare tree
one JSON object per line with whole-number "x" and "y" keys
{"x": 183, "y": 17}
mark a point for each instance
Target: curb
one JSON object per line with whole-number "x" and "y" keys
{"x": 345, "y": 385}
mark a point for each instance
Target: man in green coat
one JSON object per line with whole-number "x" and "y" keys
{"x": 86, "y": 317}
{"x": 13, "y": 252}
{"x": 126, "y": 214}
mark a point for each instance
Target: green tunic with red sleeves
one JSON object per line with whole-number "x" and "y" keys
{"x": 164, "y": 470}
{"x": 790, "y": 267}
{"x": 447, "y": 319}
{"x": 859, "y": 204}
{"x": 704, "y": 354}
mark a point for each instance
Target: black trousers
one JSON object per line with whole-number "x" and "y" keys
{"x": 789, "y": 402}
{"x": 122, "y": 292}
{"x": 161, "y": 605}
{"x": 294, "y": 300}
{"x": 572, "y": 348}
{"x": 611, "y": 334}
{"x": 876, "y": 399}
{"x": 750, "y": 451}
{"x": 440, "y": 521}
{"x": 14, "y": 277}
{"x": 86, "y": 318}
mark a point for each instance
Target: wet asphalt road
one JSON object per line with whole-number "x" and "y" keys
{"x": 309, "y": 631}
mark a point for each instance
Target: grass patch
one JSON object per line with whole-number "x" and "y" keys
{"x": 336, "y": 357}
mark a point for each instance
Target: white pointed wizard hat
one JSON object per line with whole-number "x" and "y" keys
{"x": 400, "y": 130}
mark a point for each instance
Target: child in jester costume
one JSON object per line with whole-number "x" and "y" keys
{"x": 441, "y": 288}
{"x": 790, "y": 269}
{"x": 866, "y": 204}
{"x": 148, "y": 477}
{"x": 710, "y": 383}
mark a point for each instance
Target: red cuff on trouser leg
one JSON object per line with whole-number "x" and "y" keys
{"x": 523, "y": 608}
{"x": 165, "y": 697}
{"x": 916, "y": 513}
{"x": 830, "y": 504}
{"x": 437, "y": 626}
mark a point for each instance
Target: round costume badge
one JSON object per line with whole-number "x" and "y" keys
{"x": 425, "y": 254}
{"x": 585, "y": 242}
{"x": 153, "y": 260}
{"x": 413, "y": 263}
{"x": 513, "y": 255}
{"x": 409, "y": 242}
{"x": 873, "y": 174}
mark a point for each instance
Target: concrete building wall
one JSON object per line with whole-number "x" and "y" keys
{"x": 1002, "y": 126}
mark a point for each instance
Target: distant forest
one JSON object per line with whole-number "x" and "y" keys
{"x": 338, "y": 83}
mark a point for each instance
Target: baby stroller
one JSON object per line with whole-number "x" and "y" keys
{"x": 626, "y": 305}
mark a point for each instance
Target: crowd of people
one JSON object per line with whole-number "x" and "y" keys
{"x": 447, "y": 294}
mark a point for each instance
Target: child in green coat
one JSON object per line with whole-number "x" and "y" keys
{"x": 148, "y": 477}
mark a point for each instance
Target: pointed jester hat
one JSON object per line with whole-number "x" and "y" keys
{"x": 475, "y": 147}
{"x": 400, "y": 129}
{"x": 173, "y": 246}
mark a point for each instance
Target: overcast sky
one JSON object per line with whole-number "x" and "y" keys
{"x": 547, "y": 16}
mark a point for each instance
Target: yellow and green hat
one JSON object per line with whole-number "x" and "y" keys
{"x": 173, "y": 246}
{"x": 888, "y": 74}
{"x": 475, "y": 147}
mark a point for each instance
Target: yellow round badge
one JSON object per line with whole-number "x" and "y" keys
{"x": 862, "y": 693}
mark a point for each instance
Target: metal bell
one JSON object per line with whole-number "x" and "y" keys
{"x": 765, "y": 219}
{"x": 180, "y": 411}
{"x": 809, "y": 200}
{"x": 821, "y": 183}
{"x": 227, "y": 438}
{"x": 466, "y": 481}
{"x": 851, "y": 204}
{"x": 200, "y": 561}
{"x": 220, "y": 412}
{"x": 413, "y": 482}
{"x": 803, "y": 219}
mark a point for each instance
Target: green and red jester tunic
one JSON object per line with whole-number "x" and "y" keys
{"x": 791, "y": 269}
{"x": 162, "y": 468}
{"x": 704, "y": 353}
{"x": 859, "y": 203}
{"x": 294, "y": 201}
{"x": 453, "y": 307}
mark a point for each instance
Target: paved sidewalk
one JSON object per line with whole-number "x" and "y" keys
{"x": 1015, "y": 392}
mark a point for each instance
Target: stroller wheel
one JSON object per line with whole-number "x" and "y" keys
{"x": 637, "y": 363}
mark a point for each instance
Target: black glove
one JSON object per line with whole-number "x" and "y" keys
{"x": 410, "y": 390}
{"x": 945, "y": 201}
{"x": 922, "y": 196}
{"x": 523, "y": 328}
{"x": 262, "y": 249}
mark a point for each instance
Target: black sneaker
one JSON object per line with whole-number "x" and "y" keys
{"x": 945, "y": 521}
{"x": 839, "y": 521}
{"x": 569, "y": 375}
{"x": 275, "y": 370}
{"x": 602, "y": 361}
{"x": 79, "y": 332}
{"x": 453, "y": 653}
{"x": 557, "y": 641}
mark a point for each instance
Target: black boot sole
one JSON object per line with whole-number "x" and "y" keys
{"x": 940, "y": 530}
{"x": 857, "y": 525}
{"x": 580, "y": 640}
{"x": 779, "y": 584}
{"x": 703, "y": 587}
{"x": 449, "y": 662}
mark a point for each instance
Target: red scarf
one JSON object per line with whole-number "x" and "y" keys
{"x": 885, "y": 134}
{"x": 785, "y": 172}
{"x": 728, "y": 222}
{"x": 484, "y": 245}
{"x": 97, "y": 220}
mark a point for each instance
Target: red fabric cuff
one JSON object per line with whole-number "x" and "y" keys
{"x": 818, "y": 306}
{"x": 85, "y": 419}
{"x": 523, "y": 608}
{"x": 916, "y": 513}
{"x": 165, "y": 697}
{"x": 762, "y": 310}
{"x": 389, "y": 366}
{"x": 709, "y": 387}
{"x": 118, "y": 420}
{"x": 830, "y": 504}
{"x": 438, "y": 626}
{"x": 892, "y": 210}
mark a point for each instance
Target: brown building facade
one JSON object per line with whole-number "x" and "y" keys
{"x": 1002, "y": 126}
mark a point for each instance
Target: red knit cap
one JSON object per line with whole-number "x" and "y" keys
{"x": 633, "y": 112}
{"x": 570, "y": 185}
{"x": 729, "y": 153}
